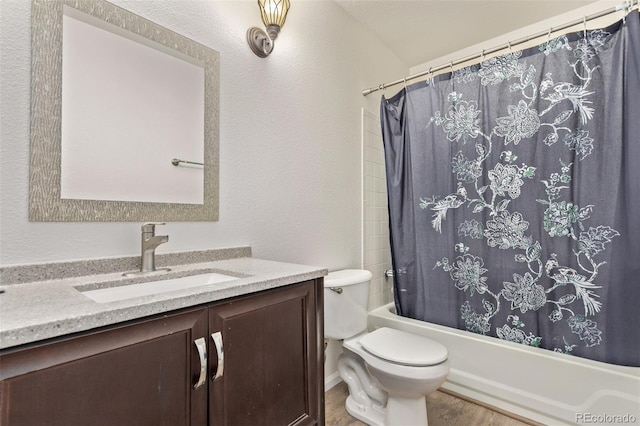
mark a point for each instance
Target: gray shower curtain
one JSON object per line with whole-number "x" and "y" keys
{"x": 514, "y": 195}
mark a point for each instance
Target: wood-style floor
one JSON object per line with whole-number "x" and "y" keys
{"x": 442, "y": 410}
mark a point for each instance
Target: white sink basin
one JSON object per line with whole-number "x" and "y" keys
{"x": 123, "y": 292}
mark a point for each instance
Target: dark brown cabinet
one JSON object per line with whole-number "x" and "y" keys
{"x": 134, "y": 374}
{"x": 267, "y": 359}
{"x": 270, "y": 360}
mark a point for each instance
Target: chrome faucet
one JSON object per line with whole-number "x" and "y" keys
{"x": 149, "y": 243}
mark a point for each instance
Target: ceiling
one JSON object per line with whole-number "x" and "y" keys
{"x": 419, "y": 31}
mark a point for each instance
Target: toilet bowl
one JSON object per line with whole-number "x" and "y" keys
{"x": 389, "y": 372}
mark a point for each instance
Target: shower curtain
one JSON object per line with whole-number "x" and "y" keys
{"x": 514, "y": 195}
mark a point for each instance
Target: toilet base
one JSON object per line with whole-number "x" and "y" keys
{"x": 406, "y": 412}
{"x": 373, "y": 416}
{"x": 398, "y": 412}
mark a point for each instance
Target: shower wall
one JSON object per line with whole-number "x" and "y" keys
{"x": 376, "y": 250}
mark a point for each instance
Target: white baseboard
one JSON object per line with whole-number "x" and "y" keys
{"x": 331, "y": 381}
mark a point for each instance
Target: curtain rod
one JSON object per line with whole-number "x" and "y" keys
{"x": 627, "y": 7}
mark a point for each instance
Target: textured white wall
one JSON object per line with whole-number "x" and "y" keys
{"x": 290, "y": 179}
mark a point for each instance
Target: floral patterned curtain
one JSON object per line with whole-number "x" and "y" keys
{"x": 514, "y": 195}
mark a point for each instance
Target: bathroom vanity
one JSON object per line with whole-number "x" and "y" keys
{"x": 248, "y": 351}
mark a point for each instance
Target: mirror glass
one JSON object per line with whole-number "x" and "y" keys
{"x": 116, "y": 101}
{"x": 157, "y": 99}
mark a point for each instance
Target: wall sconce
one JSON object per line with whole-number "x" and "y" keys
{"x": 274, "y": 13}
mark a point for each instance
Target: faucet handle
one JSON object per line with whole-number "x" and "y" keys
{"x": 150, "y": 227}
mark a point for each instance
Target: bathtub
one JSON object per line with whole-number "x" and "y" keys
{"x": 544, "y": 386}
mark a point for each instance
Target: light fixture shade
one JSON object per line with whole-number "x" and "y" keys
{"x": 274, "y": 12}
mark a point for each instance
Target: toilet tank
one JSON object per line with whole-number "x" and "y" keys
{"x": 346, "y": 302}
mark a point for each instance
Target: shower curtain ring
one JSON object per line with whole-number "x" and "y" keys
{"x": 405, "y": 83}
{"x": 584, "y": 26}
{"x": 510, "y": 50}
{"x": 549, "y": 36}
{"x": 451, "y": 66}
{"x": 430, "y": 76}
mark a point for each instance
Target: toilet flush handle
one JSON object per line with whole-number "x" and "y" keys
{"x": 336, "y": 289}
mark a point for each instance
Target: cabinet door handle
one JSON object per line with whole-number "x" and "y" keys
{"x": 217, "y": 341}
{"x": 201, "y": 344}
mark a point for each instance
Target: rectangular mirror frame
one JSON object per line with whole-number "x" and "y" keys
{"x": 45, "y": 203}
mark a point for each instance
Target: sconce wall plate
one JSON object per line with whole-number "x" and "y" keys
{"x": 259, "y": 42}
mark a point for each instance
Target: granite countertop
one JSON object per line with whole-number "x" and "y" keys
{"x": 38, "y": 310}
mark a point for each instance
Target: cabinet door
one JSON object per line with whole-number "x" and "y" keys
{"x": 138, "y": 374}
{"x": 271, "y": 367}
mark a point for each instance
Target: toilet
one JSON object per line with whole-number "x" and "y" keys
{"x": 389, "y": 372}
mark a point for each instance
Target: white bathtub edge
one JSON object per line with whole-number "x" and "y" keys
{"x": 524, "y": 398}
{"x": 497, "y": 403}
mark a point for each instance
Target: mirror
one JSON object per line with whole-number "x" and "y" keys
{"x": 116, "y": 101}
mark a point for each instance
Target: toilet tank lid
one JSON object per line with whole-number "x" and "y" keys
{"x": 404, "y": 348}
{"x": 347, "y": 277}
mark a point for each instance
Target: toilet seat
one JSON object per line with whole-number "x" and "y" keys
{"x": 400, "y": 347}
{"x": 406, "y": 372}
